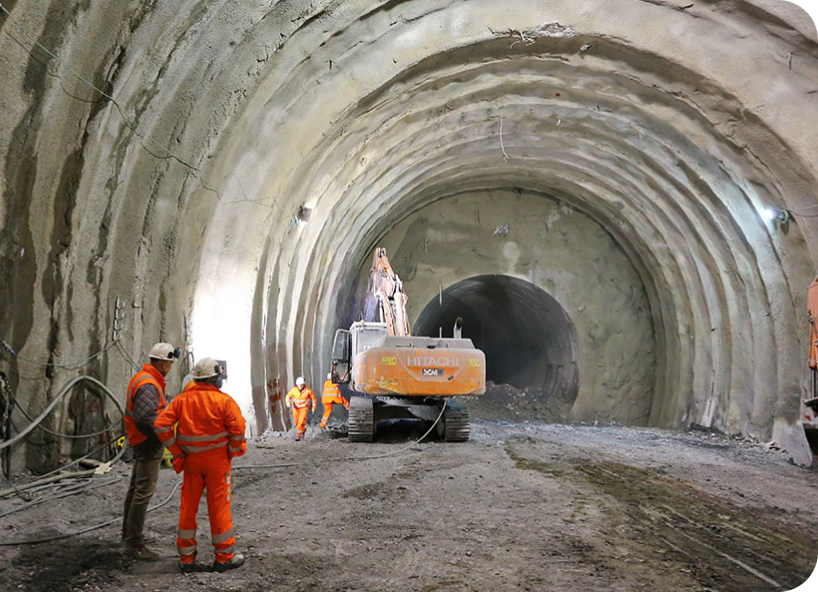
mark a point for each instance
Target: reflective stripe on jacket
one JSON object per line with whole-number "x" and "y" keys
{"x": 208, "y": 420}
{"x": 301, "y": 399}
{"x": 148, "y": 375}
{"x": 331, "y": 389}
{"x": 331, "y": 393}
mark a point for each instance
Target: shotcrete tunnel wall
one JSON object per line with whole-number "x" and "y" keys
{"x": 177, "y": 184}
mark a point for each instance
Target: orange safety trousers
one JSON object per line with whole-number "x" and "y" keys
{"x": 328, "y": 402}
{"x": 300, "y": 418}
{"x": 206, "y": 470}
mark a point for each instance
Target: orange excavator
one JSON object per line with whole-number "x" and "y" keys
{"x": 399, "y": 375}
{"x": 811, "y": 412}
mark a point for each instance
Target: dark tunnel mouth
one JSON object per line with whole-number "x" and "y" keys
{"x": 529, "y": 340}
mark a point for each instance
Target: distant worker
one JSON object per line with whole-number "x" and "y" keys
{"x": 209, "y": 434}
{"x": 144, "y": 400}
{"x": 329, "y": 397}
{"x": 301, "y": 395}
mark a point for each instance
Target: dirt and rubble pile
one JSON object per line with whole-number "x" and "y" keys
{"x": 506, "y": 402}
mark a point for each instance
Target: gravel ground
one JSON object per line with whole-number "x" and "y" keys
{"x": 521, "y": 506}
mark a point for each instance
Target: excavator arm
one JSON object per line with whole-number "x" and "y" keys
{"x": 387, "y": 289}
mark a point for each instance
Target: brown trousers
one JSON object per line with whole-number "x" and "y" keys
{"x": 147, "y": 457}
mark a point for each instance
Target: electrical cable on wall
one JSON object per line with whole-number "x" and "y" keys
{"x": 58, "y": 434}
{"x": 132, "y": 126}
{"x": 64, "y": 391}
{"x": 127, "y": 356}
{"x": 75, "y": 366}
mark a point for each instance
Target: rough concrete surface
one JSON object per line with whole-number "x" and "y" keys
{"x": 519, "y": 507}
{"x": 226, "y": 168}
{"x": 551, "y": 246}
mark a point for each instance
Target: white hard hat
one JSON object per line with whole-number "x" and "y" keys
{"x": 300, "y": 381}
{"x": 206, "y": 368}
{"x": 329, "y": 376}
{"x": 165, "y": 351}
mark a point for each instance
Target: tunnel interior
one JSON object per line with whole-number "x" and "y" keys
{"x": 215, "y": 175}
{"x": 529, "y": 340}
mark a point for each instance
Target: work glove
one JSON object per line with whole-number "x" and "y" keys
{"x": 179, "y": 464}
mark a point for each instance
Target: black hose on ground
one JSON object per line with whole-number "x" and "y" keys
{"x": 5, "y": 420}
{"x": 84, "y": 530}
{"x": 112, "y": 520}
{"x": 39, "y": 419}
{"x": 59, "y": 494}
{"x": 276, "y": 466}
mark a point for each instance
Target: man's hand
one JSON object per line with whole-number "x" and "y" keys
{"x": 179, "y": 464}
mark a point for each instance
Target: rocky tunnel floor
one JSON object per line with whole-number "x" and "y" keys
{"x": 519, "y": 507}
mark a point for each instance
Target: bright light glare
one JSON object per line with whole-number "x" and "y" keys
{"x": 221, "y": 330}
{"x": 769, "y": 214}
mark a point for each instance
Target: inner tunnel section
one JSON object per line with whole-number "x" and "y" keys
{"x": 530, "y": 342}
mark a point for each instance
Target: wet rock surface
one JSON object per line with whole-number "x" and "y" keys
{"x": 521, "y": 506}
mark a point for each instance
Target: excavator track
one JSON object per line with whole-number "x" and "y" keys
{"x": 361, "y": 419}
{"x": 456, "y": 422}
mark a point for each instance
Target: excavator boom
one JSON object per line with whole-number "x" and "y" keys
{"x": 387, "y": 288}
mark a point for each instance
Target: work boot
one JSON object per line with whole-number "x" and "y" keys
{"x": 187, "y": 568}
{"x": 141, "y": 553}
{"x": 223, "y": 566}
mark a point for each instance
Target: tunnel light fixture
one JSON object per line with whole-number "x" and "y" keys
{"x": 301, "y": 217}
{"x": 304, "y": 213}
{"x": 773, "y": 215}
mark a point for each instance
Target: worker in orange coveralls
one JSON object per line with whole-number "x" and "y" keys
{"x": 209, "y": 434}
{"x": 329, "y": 397}
{"x": 301, "y": 395}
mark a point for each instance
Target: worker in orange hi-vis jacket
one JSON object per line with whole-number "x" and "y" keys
{"x": 301, "y": 397}
{"x": 209, "y": 434}
{"x": 330, "y": 396}
{"x": 144, "y": 400}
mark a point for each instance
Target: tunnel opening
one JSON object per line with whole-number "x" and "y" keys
{"x": 530, "y": 342}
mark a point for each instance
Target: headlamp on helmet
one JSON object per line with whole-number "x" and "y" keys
{"x": 165, "y": 351}
{"x": 207, "y": 368}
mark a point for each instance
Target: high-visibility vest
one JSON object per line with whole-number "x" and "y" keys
{"x": 301, "y": 399}
{"x": 207, "y": 418}
{"x": 331, "y": 393}
{"x": 148, "y": 375}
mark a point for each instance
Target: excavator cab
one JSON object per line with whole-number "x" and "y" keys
{"x": 341, "y": 356}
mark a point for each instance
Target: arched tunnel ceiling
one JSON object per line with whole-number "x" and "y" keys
{"x": 669, "y": 125}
